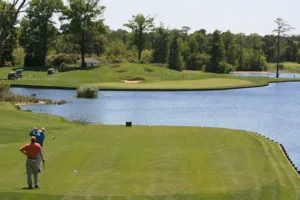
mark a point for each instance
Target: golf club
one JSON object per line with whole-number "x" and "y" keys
{"x": 44, "y": 166}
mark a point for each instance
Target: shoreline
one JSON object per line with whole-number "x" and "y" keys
{"x": 155, "y": 89}
{"x": 30, "y": 103}
{"x": 163, "y": 90}
{"x": 280, "y": 146}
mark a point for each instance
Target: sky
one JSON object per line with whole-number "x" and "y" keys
{"x": 238, "y": 16}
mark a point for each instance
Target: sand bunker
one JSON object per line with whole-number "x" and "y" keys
{"x": 134, "y": 80}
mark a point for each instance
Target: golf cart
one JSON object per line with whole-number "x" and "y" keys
{"x": 15, "y": 74}
{"x": 19, "y": 73}
{"x": 51, "y": 71}
{"x": 11, "y": 75}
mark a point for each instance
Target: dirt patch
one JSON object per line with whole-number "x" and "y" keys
{"x": 134, "y": 80}
{"x": 30, "y": 103}
{"x": 126, "y": 81}
{"x": 121, "y": 71}
{"x": 251, "y": 72}
{"x": 148, "y": 70}
{"x": 115, "y": 66}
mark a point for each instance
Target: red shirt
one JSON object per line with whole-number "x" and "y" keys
{"x": 32, "y": 149}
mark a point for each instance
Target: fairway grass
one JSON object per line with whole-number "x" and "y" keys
{"x": 143, "y": 162}
{"x": 115, "y": 76}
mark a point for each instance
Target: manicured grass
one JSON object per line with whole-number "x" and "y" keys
{"x": 143, "y": 162}
{"x": 210, "y": 83}
{"x": 287, "y": 66}
{"x": 152, "y": 77}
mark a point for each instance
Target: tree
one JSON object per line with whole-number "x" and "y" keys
{"x": 184, "y": 49}
{"x": 269, "y": 47}
{"x": 256, "y": 64}
{"x": 202, "y": 41}
{"x": 280, "y": 30}
{"x": 139, "y": 24}
{"x": 9, "y": 13}
{"x": 84, "y": 22}
{"x": 175, "y": 58}
{"x": 240, "y": 40}
{"x": 250, "y": 56}
{"x": 194, "y": 61}
{"x": 160, "y": 45}
{"x": 97, "y": 46}
{"x": 230, "y": 47}
{"x": 119, "y": 34}
{"x": 291, "y": 51}
{"x": 185, "y": 32}
{"x": 115, "y": 50}
{"x": 216, "y": 53}
{"x": 37, "y": 30}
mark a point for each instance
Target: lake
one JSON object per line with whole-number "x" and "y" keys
{"x": 273, "y": 110}
{"x": 267, "y": 74}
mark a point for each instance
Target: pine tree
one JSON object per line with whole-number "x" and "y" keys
{"x": 160, "y": 46}
{"x": 175, "y": 59}
{"x": 216, "y": 53}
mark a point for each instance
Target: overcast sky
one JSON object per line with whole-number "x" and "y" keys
{"x": 246, "y": 16}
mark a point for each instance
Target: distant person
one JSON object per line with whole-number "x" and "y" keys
{"x": 39, "y": 134}
{"x": 32, "y": 150}
{"x": 40, "y": 137}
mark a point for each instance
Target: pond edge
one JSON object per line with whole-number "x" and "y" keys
{"x": 154, "y": 89}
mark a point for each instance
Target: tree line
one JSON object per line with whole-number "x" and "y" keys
{"x": 35, "y": 41}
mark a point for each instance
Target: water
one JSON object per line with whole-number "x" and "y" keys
{"x": 267, "y": 74}
{"x": 273, "y": 110}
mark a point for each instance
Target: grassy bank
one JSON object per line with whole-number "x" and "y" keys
{"x": 136, "y": 76}
{"x": 287, "y": 66}
{"x": 142, "y": 162}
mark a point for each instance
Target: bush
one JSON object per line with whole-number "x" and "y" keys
{"x": 147, "y": 56}
{"x": 224, "y": 67}
{"x": 4, "y": 89}
{"x": 197, "y": 61}
{"x": 252, "y": 62}
{"x": 116, "y": 60}
{"x": 62, "y": 67}
{"x": 87, "y": 92}
{"x": 63, "y": 58}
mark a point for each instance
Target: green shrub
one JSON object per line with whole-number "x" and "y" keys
{"x": 87, "y": 92}
{"x": 62, "y": 67}
{"x": 63, "y": 58}
{"x": 163, "y": 65}
{"x": 4, "y": 89}
{"x": 224, "y": 67}
{"x": 116, "y": 60}
{"x": 147, "y": 56}
{"x": 197, "y": 61}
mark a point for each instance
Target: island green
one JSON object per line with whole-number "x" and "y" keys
{"x": 137, "y": 76}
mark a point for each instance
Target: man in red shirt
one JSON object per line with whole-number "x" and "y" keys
{"x": 31, "y": 150}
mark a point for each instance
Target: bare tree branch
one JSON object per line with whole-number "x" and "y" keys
{"x": 282, "y": 28}
{"x": 8, "y": 20}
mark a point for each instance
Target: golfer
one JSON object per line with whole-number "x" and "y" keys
{"x": 40, "y": 137}
{"x": 31, "y": 150}
{"x": 39, "y": 134}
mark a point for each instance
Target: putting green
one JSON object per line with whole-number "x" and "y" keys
{"x": 211, "y": 83}
{"x": 142, "y": 162}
